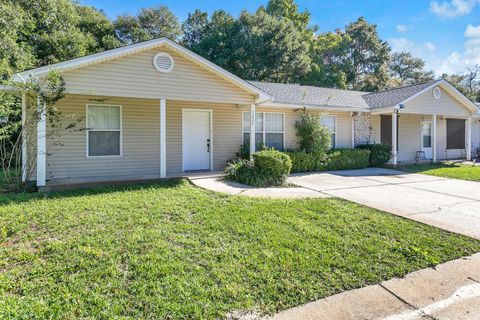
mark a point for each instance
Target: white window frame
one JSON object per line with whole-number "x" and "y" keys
{"x": 87, "y": 130}
{"x": 264, "y": 132}
{"x": 335, "y": 131}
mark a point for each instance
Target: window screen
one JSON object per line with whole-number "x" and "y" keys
{"x": 104, "y": 133}
{"x": 455, "y": 134}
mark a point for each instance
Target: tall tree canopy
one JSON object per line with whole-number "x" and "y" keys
{"x": 275, "y": 43}
{"x": 467, "y": 82}
{"x": 255, "y": 46}
{"x": 366, "y": 62}
{"x": 40, "y": 32}
{"x": 150, "y": 23}
{"x": 406, "y": 69}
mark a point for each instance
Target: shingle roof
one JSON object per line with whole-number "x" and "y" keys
{"x": 335, "y": 98}
{"x": 312, "y": 96}
{"x": 394, "y": 96}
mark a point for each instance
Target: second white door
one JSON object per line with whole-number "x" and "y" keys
{"x": 427, "y": 138}
{"x": 196, "y": 140}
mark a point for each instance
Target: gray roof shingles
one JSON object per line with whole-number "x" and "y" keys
{"x": 392, "y": 97}
{"x": 326, "y": 97}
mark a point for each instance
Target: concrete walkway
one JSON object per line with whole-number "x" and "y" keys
{"x": 215, "y": 182}
{"x": 450, "y": 204}
{"x": 450, "y": 291}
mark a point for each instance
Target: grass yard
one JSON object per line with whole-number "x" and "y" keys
{"x": 447, "y": 170}
{"x": 173, "y": 251}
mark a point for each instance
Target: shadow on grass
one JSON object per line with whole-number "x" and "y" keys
{"x": 16, "y": 198}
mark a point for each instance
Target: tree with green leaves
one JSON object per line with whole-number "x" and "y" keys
{"x": 150, "y": 23}
{"x": 255, "y": 46}
{"x": 288, "y": 9}
{"x": 406, "y": 69}
{"x": 467, "y": 82}
{"x": 194, "y": 28}
{"x": 328, "y": 55}
{"x": 366, "y": 62}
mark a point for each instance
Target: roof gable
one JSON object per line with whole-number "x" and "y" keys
{"x": 141, "y": 47}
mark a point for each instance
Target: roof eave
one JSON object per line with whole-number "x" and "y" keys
{"x": 317, "y": 107}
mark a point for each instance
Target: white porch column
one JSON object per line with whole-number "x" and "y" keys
{"x": 41, "y": 143}
{"x": 24, "y": 137}
{"x": 469, "y": 138}
{"x": 353, "y": 129}
{"x": 252, "y": 130}
{"x": 394, "y": 137}
{"x": 163, "y": 138}
{"x": 434, "y": 138}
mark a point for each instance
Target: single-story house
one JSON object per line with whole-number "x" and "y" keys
{"x": 155, "y": 109}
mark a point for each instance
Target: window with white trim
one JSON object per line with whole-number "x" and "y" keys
{"x": 330, "y": 122}
{"x": 269, "y": 129}
{"x": 104, "y": 133}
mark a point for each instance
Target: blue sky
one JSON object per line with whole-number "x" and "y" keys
{"x": 444, "y": 33}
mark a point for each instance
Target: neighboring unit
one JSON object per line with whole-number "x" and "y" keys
{"x": 155, "y": 110}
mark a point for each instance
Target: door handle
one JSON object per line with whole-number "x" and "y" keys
{"x": 208, "y": 145}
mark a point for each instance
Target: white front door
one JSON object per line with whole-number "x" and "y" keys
{"x": 196, "y": 138}
{"x": 426, "y": 138}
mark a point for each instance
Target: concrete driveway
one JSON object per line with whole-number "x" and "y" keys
{"x": 450, "y": 204}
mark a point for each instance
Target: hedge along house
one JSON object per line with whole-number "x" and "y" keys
{"x": 155, "y": 109}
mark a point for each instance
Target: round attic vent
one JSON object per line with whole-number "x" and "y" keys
{"x": 163, "y": 62}
{"x": 437, "y": 93}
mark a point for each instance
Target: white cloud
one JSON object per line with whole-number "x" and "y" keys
{"x": 430, "y": 46}
{"x": 401, "y": 44}
{"x": 472, "y": 31}
{"x": 456, "y": 61}
{"x": 454, "y": 8}
{"x": 402, "y": 28}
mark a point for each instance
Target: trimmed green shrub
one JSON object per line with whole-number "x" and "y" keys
{"x": 269, "y": 168}
{"x": 314, "y": 138}
{"x": 306, "y": 162}
{"x": 348, "y": 159}
{"x": 379, "y": 153}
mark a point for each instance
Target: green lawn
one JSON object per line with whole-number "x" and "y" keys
{"x": 447, "y": 170}
{"x": 173, "y": 251}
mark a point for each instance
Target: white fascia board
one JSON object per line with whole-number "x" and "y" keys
{"x": 385, "y": 110}
{"x": 313, "y": 107}
{"x": 134, "y": 48}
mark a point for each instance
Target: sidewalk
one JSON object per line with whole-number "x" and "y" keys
{"x": 214, "y": 182}
{"x": 450, "y": 291}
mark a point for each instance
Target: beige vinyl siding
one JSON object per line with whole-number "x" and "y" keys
{"x": 67, "y": 159}
{"x": 227, "y": 133}
{"x": 343, "y": 126}
{"x": 425, "y": 103}
{"x": 135, "y": 76}
{"x": 375, "y": 134}
{"x": 475, "y": 135}
{"x": 408, "y": 136}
